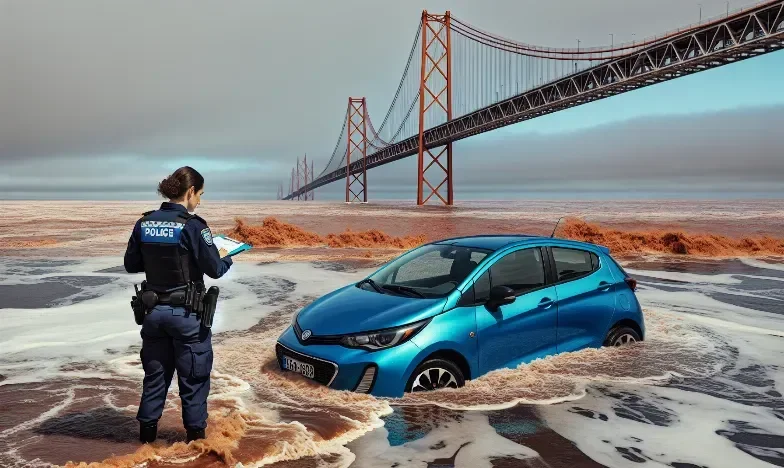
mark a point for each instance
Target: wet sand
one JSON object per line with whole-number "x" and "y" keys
{"x": 70, "y": 394}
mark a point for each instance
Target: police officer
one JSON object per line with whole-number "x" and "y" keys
{"x": 174, "y": 247}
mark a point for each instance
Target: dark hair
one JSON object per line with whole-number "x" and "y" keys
{"x": 175, "y": 186}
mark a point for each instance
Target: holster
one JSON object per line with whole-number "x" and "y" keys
{"x": 139, "y": 310}
{"x": 209, "y": 304}
{"x": 149, "y": 299}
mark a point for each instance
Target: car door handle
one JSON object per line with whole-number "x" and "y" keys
{"x": 546, "y": 303}
{"x": 604, "y": 286}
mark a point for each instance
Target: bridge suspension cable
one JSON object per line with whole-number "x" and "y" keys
{"x": 485, "y": 69}
{"x": 339, "y": 153}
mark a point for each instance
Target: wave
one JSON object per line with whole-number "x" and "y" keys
{"x": 672, "y": 347}
{"x": 670, "y": 242}
{"x": 275, "y": 233}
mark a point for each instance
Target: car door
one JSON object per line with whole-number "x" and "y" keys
{"x": 525, "y": 329}
{"x": 586, "y": 297}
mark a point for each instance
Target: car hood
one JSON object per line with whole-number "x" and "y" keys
{"x": 352, "y": 310}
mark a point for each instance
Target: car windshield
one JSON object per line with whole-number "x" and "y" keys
{"x": 430, "y": 271}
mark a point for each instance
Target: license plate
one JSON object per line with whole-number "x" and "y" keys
{"x": 299, "y": 367}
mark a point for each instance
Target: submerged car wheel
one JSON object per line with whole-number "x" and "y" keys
{"x": 621, "y": 336}
{"x": 434, "y": 374}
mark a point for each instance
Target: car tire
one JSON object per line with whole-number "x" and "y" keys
{"x": 447, "y": 373}
{"x": 620, "y": 336}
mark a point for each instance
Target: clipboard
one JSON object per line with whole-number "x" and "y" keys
{"x": 232, "y": 246}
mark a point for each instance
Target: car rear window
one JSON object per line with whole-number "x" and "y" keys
{"x": 571, "y": 264}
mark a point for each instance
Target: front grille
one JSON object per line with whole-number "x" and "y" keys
{"x": 324, "y": 372}
{"x": 315, "y": 339}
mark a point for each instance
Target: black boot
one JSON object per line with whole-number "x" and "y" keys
{"x": 195, "y": 434}
{"x": 148, "y": 432}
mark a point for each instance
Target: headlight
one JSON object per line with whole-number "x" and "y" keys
{"x": 383, "y": 339}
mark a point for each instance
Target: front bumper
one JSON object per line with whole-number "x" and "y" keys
{"x": 393, "y": 366}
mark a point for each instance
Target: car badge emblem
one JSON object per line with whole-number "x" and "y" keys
{"x": 305, "y": 335}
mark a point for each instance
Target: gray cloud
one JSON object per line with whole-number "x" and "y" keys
{"x": 101, "y": 99}
{"x": 727, "y": 151}
{"x": 736, "y": 150}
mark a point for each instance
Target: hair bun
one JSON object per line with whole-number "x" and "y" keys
{"x": 169, "y": 187}
{"x": 179, "y": 182}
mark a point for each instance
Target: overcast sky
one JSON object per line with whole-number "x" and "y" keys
{"x": 103, "y": 99}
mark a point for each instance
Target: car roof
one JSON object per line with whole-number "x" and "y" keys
{"x": 499, "y": 241}
{"x": 490, "y": 242}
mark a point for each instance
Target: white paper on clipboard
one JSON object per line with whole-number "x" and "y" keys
{"x": 232, "y": 246}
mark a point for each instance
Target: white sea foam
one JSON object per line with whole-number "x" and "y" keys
{"x": 692, "y": 302}
{"x": 616, "y": 432}
{"x": 472, "y": 438}
{"x": 37, "y": 342}
{"x": 257, "y": 290}
{"x": 707, "y": 371}
{"x": 691, "y": 420}
{"x": 763, "y": 264}
{"x": 686, "y": 277}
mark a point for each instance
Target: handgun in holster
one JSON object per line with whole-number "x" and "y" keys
{"x": 143, "y": 302}
{"x": 137, "y": 304}
{"x": 209, "y": 304}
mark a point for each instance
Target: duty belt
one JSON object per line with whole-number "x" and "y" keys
{"x": 192, "y": 296}
{"x": 180, "y": 297}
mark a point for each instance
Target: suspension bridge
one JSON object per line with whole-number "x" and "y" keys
{"x": 460, "y": 81}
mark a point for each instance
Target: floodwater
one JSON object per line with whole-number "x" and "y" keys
{"x": 704, "y": 389}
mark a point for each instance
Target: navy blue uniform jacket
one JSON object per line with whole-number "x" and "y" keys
{"x": 205, "y": 255}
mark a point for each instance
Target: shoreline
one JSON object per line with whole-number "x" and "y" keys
{"x": 59, "y": 229}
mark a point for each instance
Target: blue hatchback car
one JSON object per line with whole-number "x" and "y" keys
{"x": 455, "y": 309}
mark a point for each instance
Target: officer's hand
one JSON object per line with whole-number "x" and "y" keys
{"x": 223, "y": 252}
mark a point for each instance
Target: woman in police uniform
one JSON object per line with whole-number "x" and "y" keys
{"x": 174, "y": 247}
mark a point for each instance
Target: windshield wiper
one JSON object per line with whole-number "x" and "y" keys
{"x": 397, "y": 287}
{"x": 372, "y": 283}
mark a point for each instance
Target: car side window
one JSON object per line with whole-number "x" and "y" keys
{"x": 522, "y": 270}
{"x": 572, "y": 264}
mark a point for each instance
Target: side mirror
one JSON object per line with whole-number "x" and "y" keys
{"x": 500, "y": 295}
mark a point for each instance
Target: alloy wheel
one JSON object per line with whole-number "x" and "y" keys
{"x": 433, "y": 379}
{"x": 626, "y": 338}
